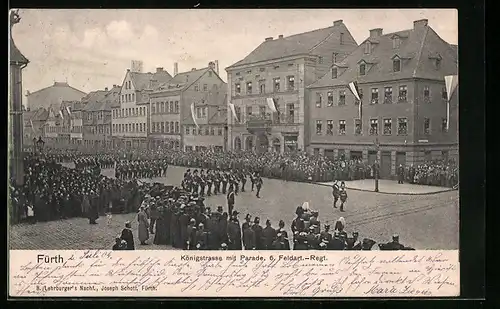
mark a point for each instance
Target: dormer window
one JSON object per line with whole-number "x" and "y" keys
{"x": 368, "y": 47}
{"x": 396, "y": 65}
{"x": 334, "y": 73}
{"x": 362, "y": 69}
{"x": 396, "y": 42}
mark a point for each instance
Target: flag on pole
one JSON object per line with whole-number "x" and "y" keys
{"x": 353, "y": 86}
{"x": 61, "y": 114}
{"x": 451, "y": 82}
{"x": 68, "y": 110}
{"x": 231, "y": 106}
{"x": 193, "y": 115}
{"x": 32, "y": 127}
{"x": 273, "y": 105}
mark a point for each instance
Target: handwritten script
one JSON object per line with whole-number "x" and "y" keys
{"x": 237, "y": 274}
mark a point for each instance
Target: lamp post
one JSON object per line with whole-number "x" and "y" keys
{"x": 376, "y": 167}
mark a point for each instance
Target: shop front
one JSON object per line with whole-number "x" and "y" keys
{"x": 291, "y": 143}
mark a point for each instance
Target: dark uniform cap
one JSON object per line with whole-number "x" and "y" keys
{"x": 256, "y": 220}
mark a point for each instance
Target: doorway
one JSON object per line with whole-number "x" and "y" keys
{"x": 385, "y": 164}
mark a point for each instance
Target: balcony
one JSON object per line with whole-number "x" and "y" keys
{"x": 259, "y": 123}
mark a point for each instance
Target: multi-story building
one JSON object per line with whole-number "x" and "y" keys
{"x": 211, "y": 118}
{"x": 401, "y": 83}
{"x": 58, "y": 92}
{"x": 53, "y": 126}
{"x": 280, "y": 69}
{"x": 97, "y": 117}
{"x": 76, "y": 118}
{"x": 170, "y": 103}
{"x": 33, "y": 121}
{"x": 130, "y": 118}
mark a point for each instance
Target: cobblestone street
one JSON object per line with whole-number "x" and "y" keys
{"x": 422, "y": 221}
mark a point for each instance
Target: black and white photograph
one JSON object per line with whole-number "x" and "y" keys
{"x": 250, "y": 129}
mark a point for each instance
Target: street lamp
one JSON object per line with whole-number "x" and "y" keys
{"x": 376, "y": 167}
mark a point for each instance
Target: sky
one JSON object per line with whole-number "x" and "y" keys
{"x": 92, "y": 49}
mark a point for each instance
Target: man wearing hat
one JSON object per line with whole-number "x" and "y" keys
{"x": 393, "y": 245}
{"x": 335, "y": 193}
{"x": 234, "y": 232}
{"x": 280, "y": 243}
{"x": 248, "y": 235}
{"x": 201, "y": 238}
{"x": 191, "y": 235}
{"x": 269, "y": 235}
{"x": 326, "y": 236}
{"x": 353, "y": 243}
{"x": 343, "y": 196}
{"x": 258, "y": 183}
{"x": 183, "y": 223}
{"x": 401, "y": 174}
{"x": 337, "y": 242}
{"x": 259, "y": 241}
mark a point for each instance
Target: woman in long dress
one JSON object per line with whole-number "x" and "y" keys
{"x": 128, "y": 236}
{"x": 161, "y": 228}
{"x": 142, "y": 218}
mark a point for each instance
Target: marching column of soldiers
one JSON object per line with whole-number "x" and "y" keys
{"x": 141, "y": 169}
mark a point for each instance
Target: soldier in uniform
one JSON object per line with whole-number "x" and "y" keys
{"x": 269, "y": 235}
{"x": 248, "y": 236}
{"x": 230, "y": 200}
{"x": 225, "y": 179}
{"x": 280, "y": 243}
{"x": 258, "y": 230}
{"x": 202, "y": 182}
{"x": 337, "y": 242}
{"x": 325, "y": 236}
{"x": 343, "y": 196}
{"x": 209, "y": 180}
{"x": 234, "y": 232}
{"x": 393, "y": 245}
{"x": 252, "y": 180}
{"x": 401, "y": 174}
{"x": 201, "y": 238}
{"x": 258, "y": 183}
{"x": 243, "y": 177}
{"x": 335, "y": 193}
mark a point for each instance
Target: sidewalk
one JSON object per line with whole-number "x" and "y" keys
{"x": 390, "y": 187}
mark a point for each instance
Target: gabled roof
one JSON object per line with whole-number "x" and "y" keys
{"x": 143, "y": 81}
{"x": 59, "y": 91}
{"x": 416, "y": 46}
{"x": 302, "y": 43}
{"x": 15, "y": 55}
{"x": 182, "y": 80}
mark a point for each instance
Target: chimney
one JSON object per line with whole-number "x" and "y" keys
{"x": 114, "y": 86}
{"x": 176, "y": 68}
{"x": 211, "y": 65}
{"x": 338, "y": 22}
{"x": 106, "y": 89}
{"x": 269, "y": 38}
{"x": 375, "y": 33}
{"x": 280, "y": 36}
{"x": 420, "y": 23}
{"x": 158, "y": 70}
{"x": 217, "y": 66}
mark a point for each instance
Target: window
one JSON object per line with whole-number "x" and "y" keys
{"x": 444, "y": 93}
{"x": 368, "y": 47}
{"x": 427, "y": 94}
{"x": 194, "y": 131}
{"x": 203, "y": 112}
{"x": 320, "y": 60}
{"x": 427, "y": 126}
{"x": 387, "y": 126}
{"x": 388, "y": 95}
{"x": 196, "y": 87}
{"x": 276, "y": 83}
{"x": 402, "y": 126}
{"x": 362, "y": 69}
{"x": 133, "y": 96}
{"x": 334, "y": 57}
{"x": 137, "y": 127}
{"x": 171, "y": 107}
{"x": 374, "y": 96}
{"x": 249, "y": 88}
{"x": 262, "y": 111}
{"x": 167, "y": 127}
{"x": 318, "y": 99}
{"x": 158, "y": 107}
{"x": 163, "y": 127}
{"x": 291, "y": 112}
{"x": 396, "y": 42}
{"x": 342, "y": 97}
{"x": 212, "y": 131}
{"x": 329, "y": 96}
{"x": 334, "y": 73}
{"x": 291, "y": 83}
{"x": 262, "y": 86}
{"x": 162, "y": 104}
{"x": 237, "y": 88}
{"x": 357, "y": 127}
{"x": 341, "y": 38}
{"x": 373, "y": 126}
{"x": 329, "y": 127}
{"x": 341, "y": 127}
{"x": 319, "y": 127}
{"x": 444, "y": 125}
{"x": 403, "y": 92}
{"x": 207, "y": 131}
{"x": 205, "y": 87}
{"x": 200, "y": 131}
{"x": 396, "y": 65}
{"x": 177, "y": 128}
{"x": 171, "y": 127}
{"x": 249, "y": 111}
{"x": 176, "y": 110}
{"x": 198, "y": 112}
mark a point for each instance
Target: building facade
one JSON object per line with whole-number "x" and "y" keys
{"x": 33, "y": 121}
{"x": 210, "y": 130}
{"x": 400, "y": 78}
{"x": 171, "y": 103}
{"x": 130, "y": 118}
{"x": 97, "y": 118}
{"x": 279, "y": 70}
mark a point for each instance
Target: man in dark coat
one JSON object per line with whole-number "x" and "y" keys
{"x": 153, "y": 215}
{"x": 401, "y": 174}
{"x": 335, "y": 193}
{"x": 191, "y": 234}
{"x": 230, "y": 200}
{"x": 393, "y": 245}
{"x": 183, "y": 223}
{"x": 248, "y": 237}
{"x": 234, "y": 233}
{"x": 259, "y": 241}
{"x": 128, "y": 236}
{"x": 269, "y": 234}
{"x": 201, "y": 238}
{"x": 93, "y": 214}
{"x": 280, "y": 243}
{"x": 258, "y": 183}
{"x": 337, "y": 242}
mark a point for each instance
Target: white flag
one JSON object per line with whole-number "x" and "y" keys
{"x": 451, "y": 82}
{"x": 68, "y": 110}
{"x": 231, "y": 106}
{"x": 32, "y": 127}
{"x": 270, "y": 103}
{"x": 193, "y": 115}
{"x": 61, "y": 114}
